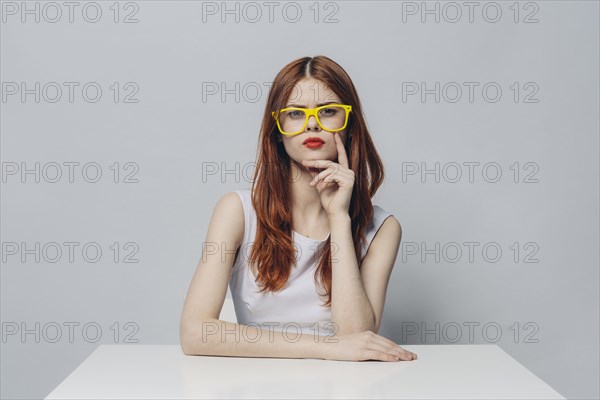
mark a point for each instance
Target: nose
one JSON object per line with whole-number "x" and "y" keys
{"x": 312, "y": 123}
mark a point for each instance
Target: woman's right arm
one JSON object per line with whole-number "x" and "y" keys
{"x": 202, "y": 333}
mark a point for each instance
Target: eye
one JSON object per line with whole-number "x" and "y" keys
{"x": 328, "y": 112}
{"x": 294, "y": 114}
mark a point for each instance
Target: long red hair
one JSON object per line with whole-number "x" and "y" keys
{"x": 272, "y": 251}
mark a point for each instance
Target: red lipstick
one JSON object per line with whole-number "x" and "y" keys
{"x": 313, "y": 142}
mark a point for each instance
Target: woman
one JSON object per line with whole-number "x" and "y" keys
{"x": 306, "y": 254}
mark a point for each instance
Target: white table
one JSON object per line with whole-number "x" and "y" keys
{"x": 164, "y": 372}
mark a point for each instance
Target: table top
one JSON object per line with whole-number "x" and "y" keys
{"x": 164, "y": 372}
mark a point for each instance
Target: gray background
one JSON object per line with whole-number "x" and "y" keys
{"x": 172, "y": 135}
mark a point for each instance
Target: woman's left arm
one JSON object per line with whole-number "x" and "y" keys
{"x": 358, "y": 296}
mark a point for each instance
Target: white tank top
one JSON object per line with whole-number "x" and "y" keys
{"x": 297, "y": 307}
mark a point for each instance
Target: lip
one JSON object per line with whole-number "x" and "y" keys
{"x": 314, "y": 145}
{"x": 313, "y": 139}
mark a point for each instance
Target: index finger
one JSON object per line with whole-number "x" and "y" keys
{"x": 342, "y": 156}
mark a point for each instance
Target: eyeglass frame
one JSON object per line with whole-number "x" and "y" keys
{"x": 312, "y": 112}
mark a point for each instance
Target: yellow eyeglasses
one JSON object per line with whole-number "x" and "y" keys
{"x": 330, "y": 117}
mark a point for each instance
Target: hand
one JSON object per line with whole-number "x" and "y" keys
{"x": 335, "y": 183}
{"x": 363, "y": 346}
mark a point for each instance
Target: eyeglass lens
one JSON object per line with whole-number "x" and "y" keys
{"x": 330, "y": 118}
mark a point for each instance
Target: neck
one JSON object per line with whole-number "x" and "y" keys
{"x": 306, "y": 202}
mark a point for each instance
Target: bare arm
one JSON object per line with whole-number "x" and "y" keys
{"x": 201, "y": 332}
{"x": 350, "y": 307}
{"x": 358, "y": 295}
{"x": 213, "y": 337}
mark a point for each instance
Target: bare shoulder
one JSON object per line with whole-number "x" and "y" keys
{"x": 227, "y": 219}
{"x": 390, "y": 233}
{"x": 392, "y": 225}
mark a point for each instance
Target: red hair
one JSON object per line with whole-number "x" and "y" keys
{"x": 273, "y": 250}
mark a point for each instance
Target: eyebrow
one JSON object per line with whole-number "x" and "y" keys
{"x": 318, "y": 105}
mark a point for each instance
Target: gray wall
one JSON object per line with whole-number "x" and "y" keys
{"x": 167, "y": 128}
